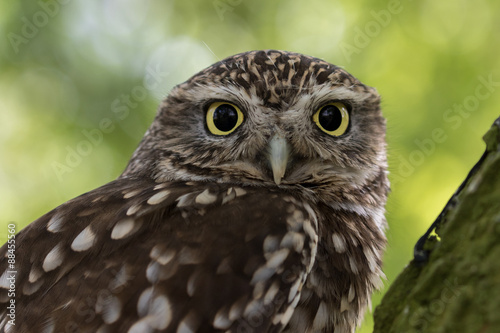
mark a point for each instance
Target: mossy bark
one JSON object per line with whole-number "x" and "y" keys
{"x": 457, "y": 288}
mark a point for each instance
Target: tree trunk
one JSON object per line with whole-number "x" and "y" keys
{"x": 453, "y": 284}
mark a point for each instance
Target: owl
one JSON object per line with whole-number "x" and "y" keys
{"x": 254, "y": 203}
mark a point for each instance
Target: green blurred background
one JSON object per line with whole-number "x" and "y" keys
{"x": 66, "y": 67}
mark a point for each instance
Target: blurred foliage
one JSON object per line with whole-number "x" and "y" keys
{"x": 81, "y": 80}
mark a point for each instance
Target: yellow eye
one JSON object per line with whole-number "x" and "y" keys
{"x": 332, "y": 118}
{"x": 223, "y": 118}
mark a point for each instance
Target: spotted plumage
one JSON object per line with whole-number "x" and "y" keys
{"x": 254, "y": 203}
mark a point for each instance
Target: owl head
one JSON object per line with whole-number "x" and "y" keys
{"x": 271, "y": 118}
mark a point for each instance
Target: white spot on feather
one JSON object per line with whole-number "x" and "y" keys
{"x": 289, "y": 311}
{"x": 84, "y": 240}
{"x": 239, "y": 191}
{"x": 294, "y": 289}
{"x": 123, "y": 228}
{"x": 351, "y": 294}
{"x": 161, "y": 185}
{"x": 144, "y": 300}
{"x": 258, "y": 290}
{"x": 9, "y": 327}
{"x": 156, "y": 312}
{"x": 344, "y": 304}
{"x": 4, "y": 283}
{"x": 372, "y": 263}
{"x": 277, "y": 258}
{"x": 277, "y": 318}
{"x": 230, "y": 195}
{"x": 153, "y": 272}
{"x": 271, "y": 293}
{"x": 271, "y": 244}
{"x": 131, "y": 194}
{"x": 263, "y": 273}
{"x": 142, "y": 326}
{"x": 205, "y": 198}
{"x": 110, "y": 308}
{"x": 189, "y": 324}
{"x": 295, "y": 220}
{"x": 221, "y": 319}
{"x": 184, "y": 200}
{"x": 34, "y": 275}
{"x": 133, "y": 209}
{"x": 54, "y": 258}
{"x": 191, "y": 283}
{"x": 162, "y": 255}
{"x": 338, "y": 243}
{"x": 376, "y": 280}
{"x": 322, "y": 316}
{"x": 161, "y": 311}
{"x": 252, "y": 308}
{"x": 237, "y": 308}
{"x": 293, "y": 240}
{"x": 353, "y": 265}
{"x": 158, "y": 197}
{"x": 55, "y": 223}
{"x": 224, "y": 266}
{"x": 308, "y": 228}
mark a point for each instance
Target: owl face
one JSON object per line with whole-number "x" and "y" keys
{"x": 269, "y": 117}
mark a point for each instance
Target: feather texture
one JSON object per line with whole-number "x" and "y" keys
{"x": 203, "y": 233}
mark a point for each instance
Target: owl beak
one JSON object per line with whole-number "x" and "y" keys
{"x": 278, "y": 154}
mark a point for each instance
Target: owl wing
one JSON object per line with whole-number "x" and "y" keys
{"x": 138, "y": 256}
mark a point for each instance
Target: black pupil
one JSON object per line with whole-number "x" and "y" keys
{"x": 330, "y": 117}
{"x": 225, "y": 117}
